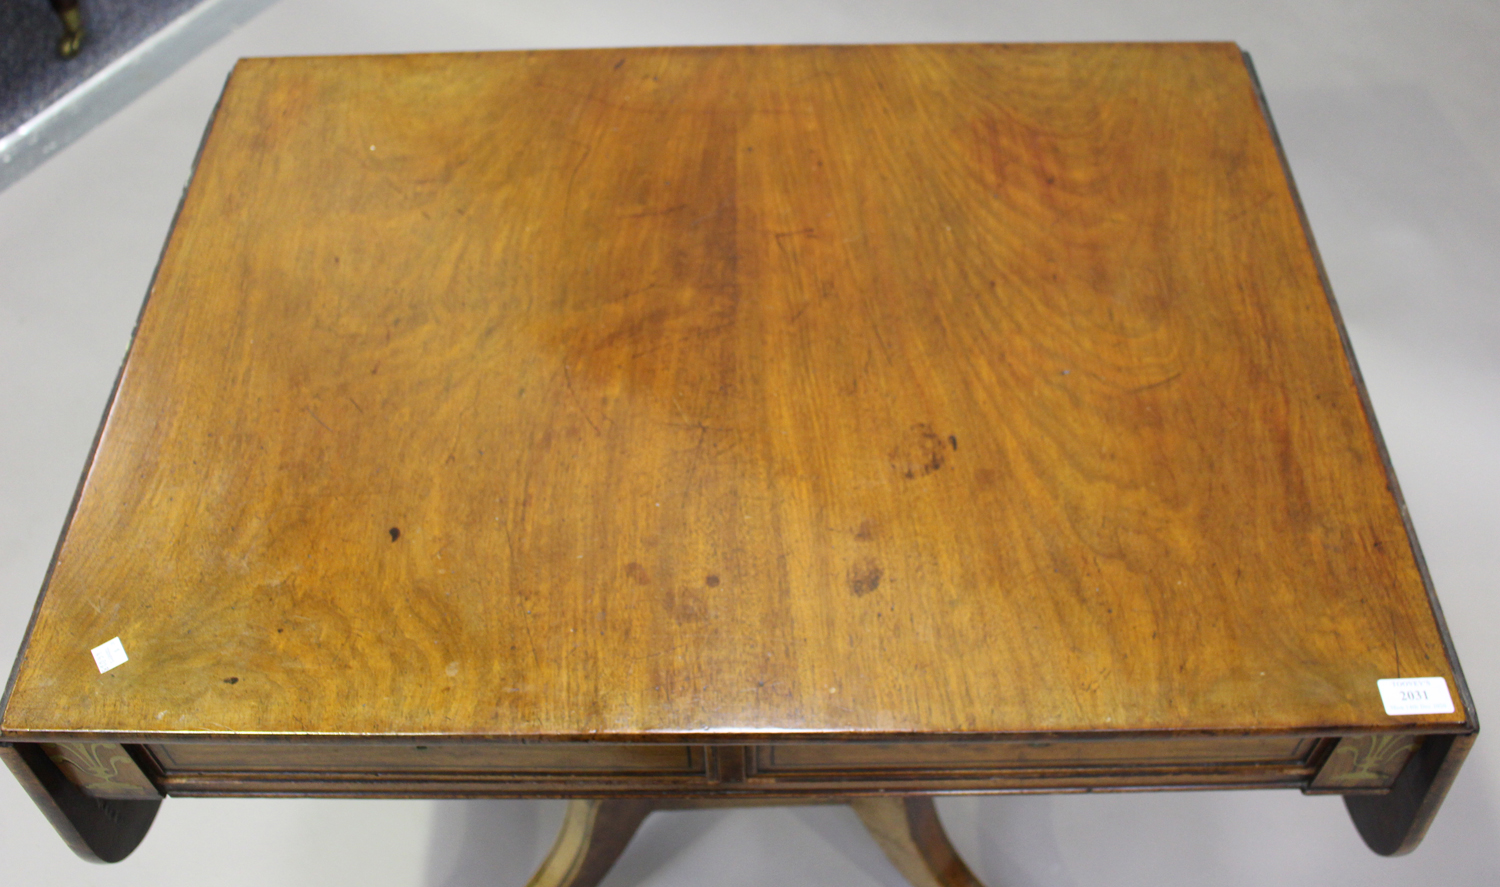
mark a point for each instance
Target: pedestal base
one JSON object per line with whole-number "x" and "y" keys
{"x": 595, "y": 833}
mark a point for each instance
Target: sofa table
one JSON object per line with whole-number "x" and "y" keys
{"x": 664, "y": 427}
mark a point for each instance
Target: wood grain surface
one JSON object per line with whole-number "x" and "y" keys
{"x": 703, "y": 394}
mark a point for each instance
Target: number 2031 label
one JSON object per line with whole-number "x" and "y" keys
{"x": 1415, "y": 696}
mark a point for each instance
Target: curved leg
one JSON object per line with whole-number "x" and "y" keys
{"x": 908, "y": 830}
{"x": 593, "y": 835}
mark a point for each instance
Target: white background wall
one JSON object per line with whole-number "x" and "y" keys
{"x": 1390, "y": 113}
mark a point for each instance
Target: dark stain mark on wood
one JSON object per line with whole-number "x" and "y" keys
{"x": 953, "y": 439}
{"x": 638, "y": 573}
{"x": 712, "y": 581}
{"x": 920, "y": 452}
{"x": 864, "y": 576}
{"x": 866, "y": 530}
{"x": 395, "y": 533}
{"x": 686, "y": 604}
{"x": 231, "y": 680}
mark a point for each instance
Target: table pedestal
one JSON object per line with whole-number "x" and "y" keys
{"x": 594, "y": 833}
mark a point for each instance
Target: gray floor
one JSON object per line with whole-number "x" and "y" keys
{"x": 34, "y": 75}
{"x": 1391, "y": 118}
{"x": 129, "y": 46}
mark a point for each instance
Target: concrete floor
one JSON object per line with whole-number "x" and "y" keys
{"x": 1391, "y": 118}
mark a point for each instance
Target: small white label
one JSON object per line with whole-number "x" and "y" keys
{"x": 1415, "y": 696}
{"x": 112, "y": 653}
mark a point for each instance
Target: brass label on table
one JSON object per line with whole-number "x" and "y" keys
{"x": 1365, "y": 761}
{"x": 102, "y": 769}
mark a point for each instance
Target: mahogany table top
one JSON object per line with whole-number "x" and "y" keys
{"x": 653, "y": 394}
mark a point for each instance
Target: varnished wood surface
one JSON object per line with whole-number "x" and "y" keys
{"x": 793, "y": 756}
{"x": 775, "y": 392}
{"x": 577, "y": 757}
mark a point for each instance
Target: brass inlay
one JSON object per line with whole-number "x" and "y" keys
{"x": 1366, "y": 761}
{"x": 102, "y": 769}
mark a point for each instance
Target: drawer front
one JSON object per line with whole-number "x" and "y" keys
{"x": 880, "y": 757}
{"x": 447, "y": 757}
{"x": 435, "y": 770}
{"x": 1077, "y": 765}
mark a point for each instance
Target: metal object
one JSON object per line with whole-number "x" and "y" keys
{"x": 72, "y": 22}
